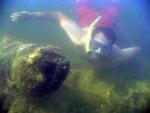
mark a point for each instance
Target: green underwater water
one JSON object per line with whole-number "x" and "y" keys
{"x": 123, "y": 89}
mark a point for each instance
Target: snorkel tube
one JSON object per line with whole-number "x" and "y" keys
{"x": 89, "y": 33}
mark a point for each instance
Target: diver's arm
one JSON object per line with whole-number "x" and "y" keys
{"x": 24, "y": 15}
{"x": 123, "y": 55}
{"x": 72, "y": 29}
{"x": 43, "y": 15}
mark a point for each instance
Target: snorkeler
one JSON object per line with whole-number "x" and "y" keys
{"x": 93, "y": 35}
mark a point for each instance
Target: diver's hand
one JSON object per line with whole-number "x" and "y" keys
{"x": 20, "y": 16}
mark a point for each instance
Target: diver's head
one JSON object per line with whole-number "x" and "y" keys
{"x": 104, "y": 33}
{"x": 102, "y": 40}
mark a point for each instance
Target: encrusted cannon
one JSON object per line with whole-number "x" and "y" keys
{"x": 33, "y": 69}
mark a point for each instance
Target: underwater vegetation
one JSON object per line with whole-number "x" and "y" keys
{"x": 85, "y": 90}
{"x": 83, "y": 93}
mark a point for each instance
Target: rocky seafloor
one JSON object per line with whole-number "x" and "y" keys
{"x": 119, "y": 90}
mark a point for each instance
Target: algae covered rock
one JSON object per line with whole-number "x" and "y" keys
{"x": 35, "y": 69}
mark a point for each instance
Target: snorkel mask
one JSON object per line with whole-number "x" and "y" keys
{"x": 97, "y": 46}
{"x": 101, "y": 48}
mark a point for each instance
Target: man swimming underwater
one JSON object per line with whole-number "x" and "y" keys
{"x": 94, "y": 35}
